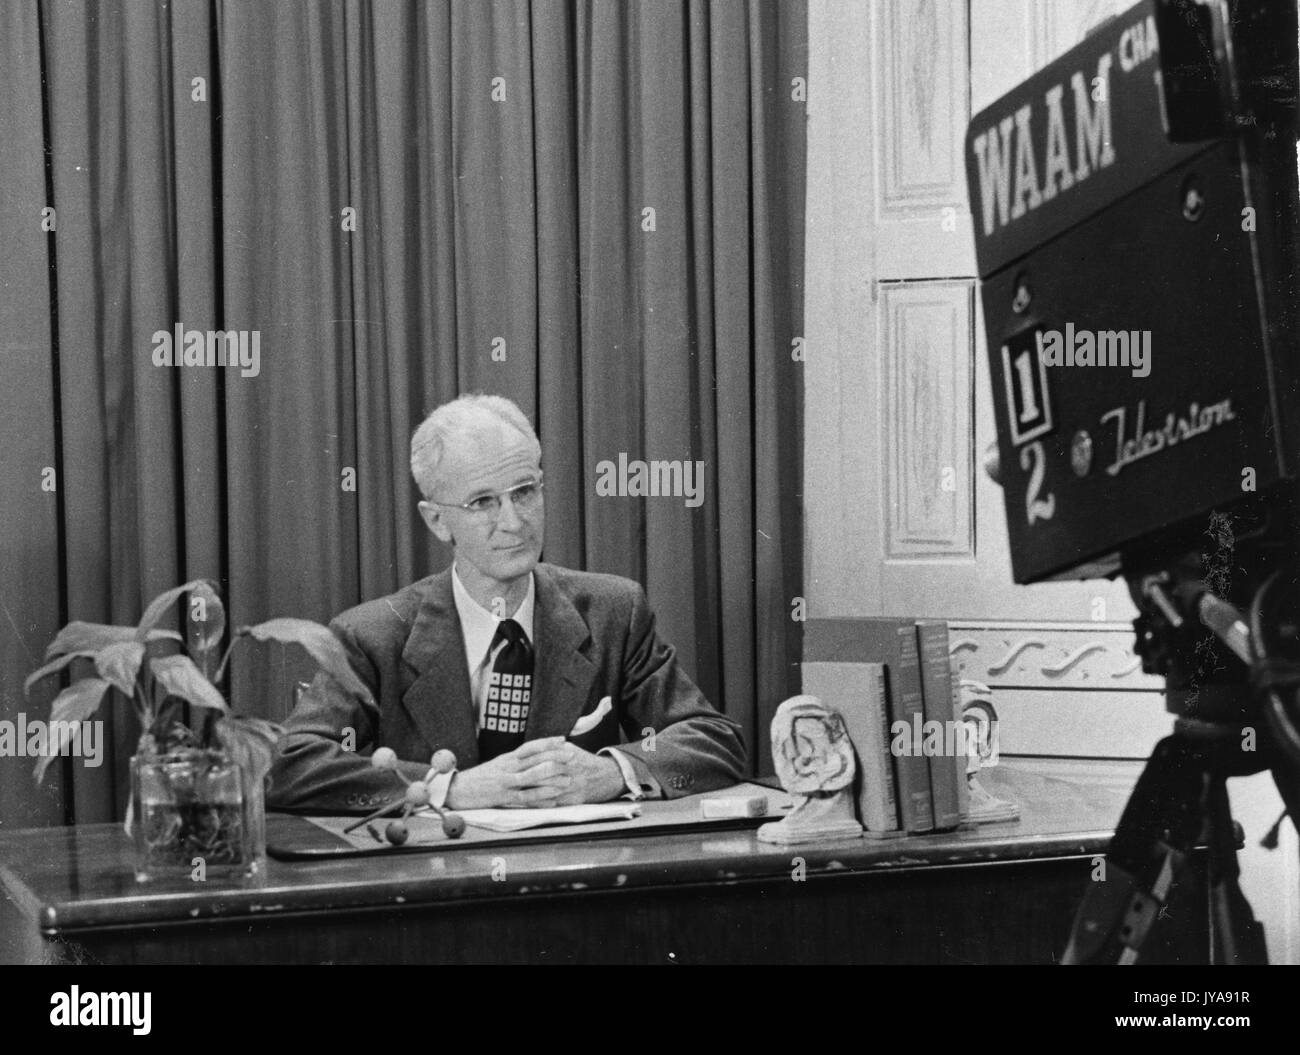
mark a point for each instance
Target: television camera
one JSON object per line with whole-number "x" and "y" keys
{"x": 1135, "y": 212}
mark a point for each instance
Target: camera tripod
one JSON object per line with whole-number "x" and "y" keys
{"x": 1233, "y": 681}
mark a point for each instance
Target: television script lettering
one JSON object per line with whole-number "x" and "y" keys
{"x": 1146, "y": 442}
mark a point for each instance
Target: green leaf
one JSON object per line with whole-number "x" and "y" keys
{"x": 321, "y": 645}
{"x": 78, "y": 636}
{"x": 54, "y": 666}
{"x": 161, "y": 603}
{"x": 205, "y": 629}
{"x": 250, "y": 742}
{"x": 119, "y": 664}
{"x": 74, "y": 704}
{"x": 180, "y": 677}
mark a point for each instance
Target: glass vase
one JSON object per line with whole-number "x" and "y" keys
{"x": 196, "y": 817}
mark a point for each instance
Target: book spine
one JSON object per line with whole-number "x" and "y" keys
{"x": 907, "y": 708}
{"x": 941, "y": 736}
{"x": 963, "y": 782}
{"x": 880, "y": 710}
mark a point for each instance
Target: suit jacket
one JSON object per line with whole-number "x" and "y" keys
{"x": 593, "y": 635}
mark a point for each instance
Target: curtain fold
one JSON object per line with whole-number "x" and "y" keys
{"x": 31, "y": 468}
{"x": 593, "y": 208}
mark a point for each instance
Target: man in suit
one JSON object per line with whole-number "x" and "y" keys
{"x": 526, "y": 671}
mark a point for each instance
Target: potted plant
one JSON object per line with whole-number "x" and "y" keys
{"x": 197, "y": 785}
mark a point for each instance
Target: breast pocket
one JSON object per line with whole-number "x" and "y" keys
{"x": 596, "y": 727}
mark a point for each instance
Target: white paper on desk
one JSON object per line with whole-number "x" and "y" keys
{"x": 518, "y": 820}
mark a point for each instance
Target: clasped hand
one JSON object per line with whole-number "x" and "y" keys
{"x": 546, "y": 772}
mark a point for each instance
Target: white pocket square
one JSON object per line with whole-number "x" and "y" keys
{"x": 588, "y": 722}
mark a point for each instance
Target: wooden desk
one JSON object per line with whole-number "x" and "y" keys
{"x": 1000, "y": 894}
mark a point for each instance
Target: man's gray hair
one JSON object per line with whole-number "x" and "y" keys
{"x": 461, "y": 415}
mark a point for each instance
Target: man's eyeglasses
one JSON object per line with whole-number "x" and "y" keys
{"x": 524, "y": 497}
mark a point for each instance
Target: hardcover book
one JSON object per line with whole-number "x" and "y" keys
{"x": 857, "y": 691}
{"x": 892, "y": 642}
{"x": 936, "y": 685}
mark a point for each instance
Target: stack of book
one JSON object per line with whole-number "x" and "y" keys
{"x": 892, "y": 681}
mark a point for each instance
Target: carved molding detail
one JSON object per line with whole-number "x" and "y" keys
{"x": 1005, "y": 662}
{"x": 1027, "y": 656}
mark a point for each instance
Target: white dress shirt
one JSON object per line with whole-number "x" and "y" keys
{"x": 479, "y": 627}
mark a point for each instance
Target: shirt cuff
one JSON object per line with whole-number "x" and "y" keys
{"x": 636, "y": 788}
{"x": 439, "y": 784}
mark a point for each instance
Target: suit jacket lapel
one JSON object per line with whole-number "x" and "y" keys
{"x": 563, "y": 675}
{"x": 439, "y": 700}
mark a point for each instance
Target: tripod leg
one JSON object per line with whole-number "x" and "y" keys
{"x": 1236, "y": 936}
{"x": 1161, "y": 822}
{"x": 1287, "y": 780}
{"x": 1180, "y": 799}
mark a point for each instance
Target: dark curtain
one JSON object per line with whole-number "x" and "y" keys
{"x": 406, "y": 201}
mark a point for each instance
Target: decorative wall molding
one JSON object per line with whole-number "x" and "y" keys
{"x": 928, "y": 465}
{"x": 1059, "y": 656}
{"x": 921, "y": 119}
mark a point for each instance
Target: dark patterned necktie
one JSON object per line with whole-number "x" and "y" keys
{"x": 509, "y": 694}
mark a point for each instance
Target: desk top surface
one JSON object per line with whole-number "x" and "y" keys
{"x": 71, "y": 879}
